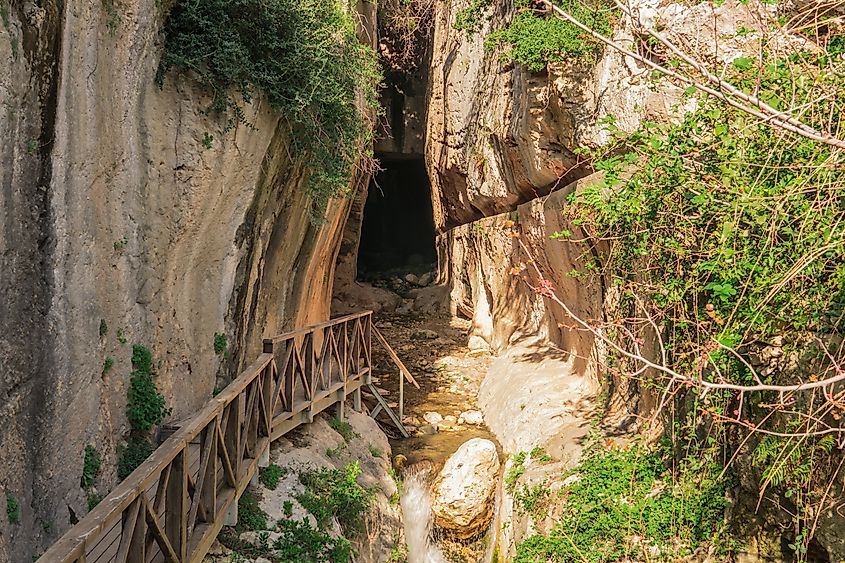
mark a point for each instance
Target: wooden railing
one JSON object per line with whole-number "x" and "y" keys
{"x": 173, "y": 505}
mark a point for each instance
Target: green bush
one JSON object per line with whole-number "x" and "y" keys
{"x": 133, "y": 454}
{"x": 146, "y": 407}
{"x": 13, "y": 509}
{"x": 625, "y": 494}
{"x": 335, "y": 493}
{"x": 250, "y": 515}
{"x": 534, "y": 40}
{"x": 304, "y": 55}
{"x": 104, "y": 328}
{"x": 469, "y": 18}
{"x": 220, "y": 343}
{"x": 108, "y": 363}
{"x": 90, "y": 467}
{"x": 343, "y": 428}
{"x": 270, "y": 476}
{"x": 301, "y": 542}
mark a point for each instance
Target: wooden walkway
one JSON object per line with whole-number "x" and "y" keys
{"x": 171, "y": 508}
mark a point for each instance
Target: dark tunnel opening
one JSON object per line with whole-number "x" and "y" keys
{"x": 397, "y": 233}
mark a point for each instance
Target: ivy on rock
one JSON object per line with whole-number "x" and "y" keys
{"x": 304, "y": 56}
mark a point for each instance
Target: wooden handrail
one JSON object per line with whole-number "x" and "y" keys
{"x": 173, "y": 505}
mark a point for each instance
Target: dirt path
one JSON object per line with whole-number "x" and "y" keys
{"x": 434, "y": 350}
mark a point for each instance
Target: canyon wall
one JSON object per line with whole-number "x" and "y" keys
{"x": 129, "y": 215}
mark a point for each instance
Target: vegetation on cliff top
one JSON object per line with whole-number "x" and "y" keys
{"x": 304, "y": 56}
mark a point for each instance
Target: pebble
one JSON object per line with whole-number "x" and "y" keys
{"x": 428, "y": 429}
{"x": 412, "y": 279}
{"x": 424, "y": 334}
{"x": 472, "y": 417}
{"x": 433, "y": 417}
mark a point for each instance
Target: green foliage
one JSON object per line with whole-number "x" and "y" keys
{"x": 343, "y": 428}
{"x": 729, "y": 229}
{"x": 104, "y": 328}
{"x": 207, "y": 140}
{"x": 93, "y": 499}
{"x": 270, "y": 476}
{"x": 534, "y": 40}
{"x": 112, "y": 15}
{"x": 791, "y": 462}
{"x": 91, "y": 463}
{"x": 250, "y": 515}
{"x": 13, "y": 509}
{"x": 287, "y": 508}
{"x": 146, "y": 407}
{"x": 119, "y": 245}
{"x": 469, "y": 18}
{"x": 301, "y": 542}
{"x": 121, "y": 337}
{"x": 628, "y": 505}
{"x": 515, "y": 472}
{"x": 133, "y": 454}
{"x": 533, "y": 500}
{"x": 304, "y": 55}
{"x": 220, "y": 343}
{"x": 108, "y": 363}
{"x": 539, "y": 455}
{"x": 335, "y": 493}
{"x": 376, "y": 452}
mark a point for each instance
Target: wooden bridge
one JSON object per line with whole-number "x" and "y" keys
{"x": 171, "y": 508}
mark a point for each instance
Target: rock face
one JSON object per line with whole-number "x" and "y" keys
{"x": 118, "y": 224}
{"x": 462, "y": 493}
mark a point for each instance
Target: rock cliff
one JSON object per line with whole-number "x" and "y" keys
{"x": 129, "y": 215}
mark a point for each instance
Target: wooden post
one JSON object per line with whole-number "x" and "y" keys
{"x": 401, "y": 396}
{"x": 356, "y": 400}
{"x": 176, "y": 505}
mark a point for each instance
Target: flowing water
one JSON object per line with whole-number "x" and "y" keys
{"x": 416, "y": 514}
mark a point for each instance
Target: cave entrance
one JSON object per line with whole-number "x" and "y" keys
{"x": 397, "y": 232}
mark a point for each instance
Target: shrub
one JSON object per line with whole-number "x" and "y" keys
{"x": 335, "y": 493}
{"x": 534, "y": 40}
{"x": 469, "y": 18}
{"x": 146, "y": 407}
{"x": 270, "y": 476}
{"x": 90, "y": 467}
{"x": 343, "y": 428}
{"x": 304, "y": 55}
{"x": 13, "y": 509}
{"x": 133, "y": 454}
{"x": 220, "y": 343}
{"x": 625, "y": 494}
{"x": 108, "y": 363}
{"x": 301, "y": 542}
{"x": 104, "y": 328}
{"x": 250, "y": 515}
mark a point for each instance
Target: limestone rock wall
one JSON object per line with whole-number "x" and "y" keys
{"x": 114, "y": 208}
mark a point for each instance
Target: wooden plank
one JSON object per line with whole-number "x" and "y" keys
{"x": 233, "y": 431}
{"x": 380, "y": 337}
{"x": 130, "y": 519}
{"x": 389, "y": 412}
{"x": 312, "y": 328}
{"x": 176, "y": 518}
{"x": 228, "y": 469}
{"x": 158, "y": 533}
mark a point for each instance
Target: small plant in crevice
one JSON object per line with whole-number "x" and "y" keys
{"x": 112, "y": 15}
{"x": 91, "y": 463}
{"x": 104, "y": 328}
{"x": 108, "y": 363}
{"x": 207, "y": 140}
{"x": 343, "y": 428}
{"x": 119, "y": 245}
{"x": 13, "y": 509}
{"x": 121, "y": 337}
{"x": 287, "y": 508}
{"x": 146, "y": 406}
{"x": 376, "y": 452}
{"x": 515, "y": 472}
{"x": 270, "y": 476}
{"x": 92, "y": 499}
{"x": 220, "y": 343}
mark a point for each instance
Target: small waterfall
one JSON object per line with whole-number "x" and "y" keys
{"x": 416, "y": 512}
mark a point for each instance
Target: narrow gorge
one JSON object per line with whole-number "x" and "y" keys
{"x": 422, "y": 281}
